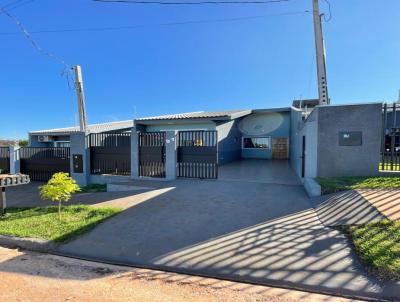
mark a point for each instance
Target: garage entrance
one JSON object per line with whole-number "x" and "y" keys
{"x": 259, "y": 171}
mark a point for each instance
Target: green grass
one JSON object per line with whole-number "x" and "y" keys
{"x": 378, "y": 246}
{"x": 43, "y": 222}
{"x": 93, "y": 188}
{"x": 332, "y": 185}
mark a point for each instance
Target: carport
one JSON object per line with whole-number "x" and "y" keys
{"x": 259, "y": 170}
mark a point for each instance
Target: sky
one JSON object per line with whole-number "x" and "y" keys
{"x": 217, "y": 57}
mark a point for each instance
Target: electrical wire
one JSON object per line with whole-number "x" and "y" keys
{"x": 329, "y": 10}
{"x": 190, "y": 3}
{"x": 15, "y": 4}
{"x": 129, "y": 27}
{"x": 66, "y": 70}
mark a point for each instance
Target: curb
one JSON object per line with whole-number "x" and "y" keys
{"x": 312, "y": 187}
{"x": 32, "y": 244}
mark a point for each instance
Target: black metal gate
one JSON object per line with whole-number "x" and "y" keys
{"x": 390, "y": 151}
{"x": 41, "y": 163}
{"x": 152, "y": 154}
{"x": 4, "y": 160}
{"x": 110, "y": 153}
{"x": 198, "y": 154}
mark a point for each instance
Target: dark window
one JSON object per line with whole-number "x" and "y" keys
{"x": 256, "y": 142}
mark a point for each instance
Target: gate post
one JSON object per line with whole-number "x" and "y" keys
{"x": 14, "y": 160}
{"x": 170, "y": 155}
{"x": 134, "y": 154}
{"x": 79, "y": 158}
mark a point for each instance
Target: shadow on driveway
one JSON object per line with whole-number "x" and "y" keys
{"x": 253, "y": 232}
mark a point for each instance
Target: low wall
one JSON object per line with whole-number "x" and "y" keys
{"x": 106, "y": 179}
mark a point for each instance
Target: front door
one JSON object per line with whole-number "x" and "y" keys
{"x": 280, "y": 148}
{"x": 303, "y": 157}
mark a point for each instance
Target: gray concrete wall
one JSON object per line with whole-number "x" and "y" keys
{"x": 296, "y": 124}
{"x": 310, "y": 131}
{"x": 229, "y": 142}
{"x": 79, "y": 146}
{"x": 170, "y": 155}
{"x": 335, "y": 160}
{"x": 135, "y": 154}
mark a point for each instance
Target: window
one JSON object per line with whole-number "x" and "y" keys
{"x": 256, "y": 142}
{"x": 61, "y": 144}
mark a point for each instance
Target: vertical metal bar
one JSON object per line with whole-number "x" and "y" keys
{"x": 384, "y": 127}
{"x": 392, "y": 147}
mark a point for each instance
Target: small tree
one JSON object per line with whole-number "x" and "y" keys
{"x": 59, "y": 189}
{"x": 23, "y": 143}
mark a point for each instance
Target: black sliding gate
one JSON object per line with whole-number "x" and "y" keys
{"x": 152, "y": 154}
{"x": 198, "y": 154}
{"x": 110, "y": 153}
{"x": 41, "y": 163}
{"x": 390, "y": 151}
{"x": 4, "y": 160}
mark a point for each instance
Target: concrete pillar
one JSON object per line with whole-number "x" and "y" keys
{"x": 134, "y": 154}
{"x": 14, "y": 160}
{"x": 80, "y": 158}
{"x": 170, "y": 155}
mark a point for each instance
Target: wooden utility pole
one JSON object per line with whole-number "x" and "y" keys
{"x": 320, "y": 56}
{"x": 81, "y": 98}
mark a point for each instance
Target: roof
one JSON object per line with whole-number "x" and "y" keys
{"x": 214, "y": 115}
{"x": 94, "y": 128}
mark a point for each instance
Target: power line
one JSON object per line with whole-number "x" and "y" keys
{"x": 66, "y": 70}
{"x": 329, "y": 10}
{"x": 190, "y": 3}
{"x": 15, "y": 4}
{"x": 128, "y": 27}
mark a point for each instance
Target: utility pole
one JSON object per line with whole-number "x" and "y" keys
{"x": 81, "y": 98}
{"x": 320, "y": 55}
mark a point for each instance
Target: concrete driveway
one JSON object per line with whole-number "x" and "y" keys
{"x": 247, "y": 226}
{"x": 251, "y": 231}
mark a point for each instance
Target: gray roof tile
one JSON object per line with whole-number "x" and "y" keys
{"x": 95, "y": 128}
{"x": 230, "y": 114}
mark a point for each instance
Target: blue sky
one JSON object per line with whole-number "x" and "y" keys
{"x": 149, "y": 70}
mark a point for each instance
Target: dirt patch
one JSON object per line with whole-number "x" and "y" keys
{"x": 29, "y": 276}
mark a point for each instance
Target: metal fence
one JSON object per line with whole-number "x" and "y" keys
{"x": 390, "y": 150}
{"x": 198, "y": 154}
{"x": 152, "y": 154}
{"x": 41, "y": 163}
{"x": 4, "y": 160}
{"x": 110, "y": 153}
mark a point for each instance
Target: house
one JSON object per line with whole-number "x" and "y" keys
{"x": 261, "y": 133}
{"x": 327, "y": 141}
{"x": 61, "y": 137}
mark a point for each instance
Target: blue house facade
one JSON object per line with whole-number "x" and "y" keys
{"x": 247, "y": 134}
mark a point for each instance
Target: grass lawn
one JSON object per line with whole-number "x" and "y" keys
{"x": 335, "y": 184}
{"x": 378, "y": 245}
{"x": 43, "y": 222}
{"x": 93, "y": 188}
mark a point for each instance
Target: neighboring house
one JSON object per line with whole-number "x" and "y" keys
{"x": 61, "y": 137}
{"x": 260, "y": 133}
{"x": 6, "y": 143}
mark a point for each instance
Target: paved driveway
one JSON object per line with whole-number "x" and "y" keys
{"x": 252, "y": 231}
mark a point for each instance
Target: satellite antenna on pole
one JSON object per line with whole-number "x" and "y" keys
{"x": 81, "y": 98}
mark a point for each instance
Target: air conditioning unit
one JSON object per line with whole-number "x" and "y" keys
{"x": 45, "y": 138}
